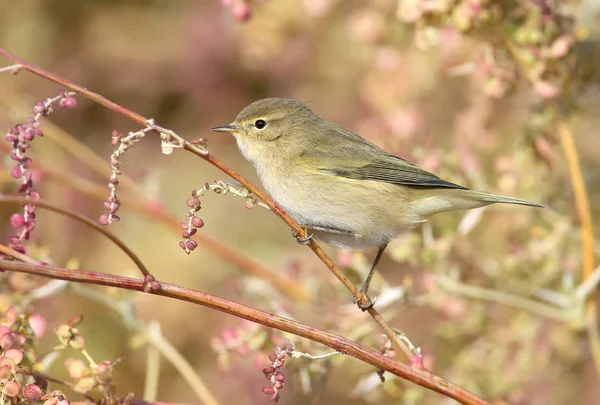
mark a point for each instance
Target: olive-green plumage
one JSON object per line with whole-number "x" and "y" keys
{"x": 344, "y": 189}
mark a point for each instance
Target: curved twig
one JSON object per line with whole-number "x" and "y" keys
{"x": 84, "y": 220}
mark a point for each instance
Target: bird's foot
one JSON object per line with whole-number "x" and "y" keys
{"x": 368, "y": 304}
{"x": 302, "y": 241}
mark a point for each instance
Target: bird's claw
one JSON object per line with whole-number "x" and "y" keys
{"x": 300, "y": 240}
{"x": 369, "y": 303}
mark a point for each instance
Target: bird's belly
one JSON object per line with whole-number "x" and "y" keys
{"x": 320, "y": 209}
{"x": 358, "y": 218}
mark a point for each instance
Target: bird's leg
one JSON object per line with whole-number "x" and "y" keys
{"x": 365, "y": 288}
{"x": 302, "y": 241}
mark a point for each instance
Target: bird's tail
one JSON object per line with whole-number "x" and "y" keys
{"x": 428, "y": 203}
{"x": 495, "y": 198}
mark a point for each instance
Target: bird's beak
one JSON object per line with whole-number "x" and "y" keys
{"x": 227, "y": 128}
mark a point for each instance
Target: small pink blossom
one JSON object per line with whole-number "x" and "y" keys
{"x": 32, "y": 393}
{"x": 241, "y": 11}
{"x": 17, "y": 220}
{"x": 546, "y": 89}
{"x": 38, "y": 324}
{"x": 561, "y": 46}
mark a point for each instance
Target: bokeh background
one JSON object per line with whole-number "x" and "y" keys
{"x": 412, "y": 84}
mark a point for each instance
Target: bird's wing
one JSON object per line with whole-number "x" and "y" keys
{"x": 368, "y": 162}
{"x": 392, "y": 169}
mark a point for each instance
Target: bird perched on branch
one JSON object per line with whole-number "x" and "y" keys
{"x": 344, "y": 189}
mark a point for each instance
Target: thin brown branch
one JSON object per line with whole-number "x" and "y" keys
{"x": 17, "y": 255}
{"x": 49, "y": 378}
{"x": 418, "y": 376}
{"x": 301, "y": 232}
{"x": 80, "y": 218}
{"x": 582, "y": 204}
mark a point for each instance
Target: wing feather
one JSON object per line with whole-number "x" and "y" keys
{"x": 396, "y": 173}
{"x": 368, "y": 162}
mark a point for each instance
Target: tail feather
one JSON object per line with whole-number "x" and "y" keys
{"x": 429, "y": 202}
{"x": 495, "y": 198}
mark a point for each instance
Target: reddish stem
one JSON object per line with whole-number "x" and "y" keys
{"x": 339, "y": 343}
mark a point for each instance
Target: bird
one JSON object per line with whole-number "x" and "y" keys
{"x": 345, "y": 190}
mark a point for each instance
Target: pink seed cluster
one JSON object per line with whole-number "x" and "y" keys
{"x": 193, "y": 223}
{"x": 273, "y": 373}
{"x": 112, "y": 204}
{"x": 123, "y": 144}
{"x": 21, "y": 136}
{"x": 16, "y": 384}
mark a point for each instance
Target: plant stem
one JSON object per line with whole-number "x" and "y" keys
{"x": 338, "y": 343}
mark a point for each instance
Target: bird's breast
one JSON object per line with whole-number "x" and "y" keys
{"x": 366, "y": 211}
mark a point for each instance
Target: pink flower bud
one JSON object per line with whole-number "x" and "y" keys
{"x": 546, "y": 89}
{"x": 38, "y": 324}
{"x": 191, "y": 244}
{"x": 15, "y": 355}
{"x": 5, "y": 371}
{"x": 197, "y": 222}
{"x": 39, "y": 108}
{"x": 561, "y": 46}
{"x": 20, "y": 249}
{"x": 228, "y": 335}
{"x": 32, "y": 393}
{"x": 69, "y": 102}
{"x": 17, "y": 220}
{"x": 19, "y": 339}
{"x": 6, "y": 341}
{"x": 16, "y": 172}
{"x": 241, "y": 11}
{"x": 12, "y": 388}
{"x": 268, "y": 371}
{"x": 75, "y": 321}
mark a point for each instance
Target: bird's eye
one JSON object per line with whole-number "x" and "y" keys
{"x": 260, "y": 124}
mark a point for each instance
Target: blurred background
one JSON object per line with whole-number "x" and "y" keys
{"x": 487, "y": 295}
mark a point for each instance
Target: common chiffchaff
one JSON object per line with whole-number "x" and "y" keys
{"x": 344, "y": 189}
